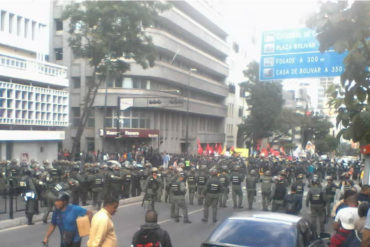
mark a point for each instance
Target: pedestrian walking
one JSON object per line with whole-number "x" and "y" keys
{"x": 65, "y": 217}
{"x": 102, "y": 232}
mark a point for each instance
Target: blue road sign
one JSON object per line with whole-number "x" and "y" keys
{"x": 294, "y": 53}
{"x": 313, "y": 64}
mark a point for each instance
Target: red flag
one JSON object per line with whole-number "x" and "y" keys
{"x": 219, "y": 149}
{"x": 208, "y": 148}
{"x": 200, "y": 149}
{"x": 216, "y": 147}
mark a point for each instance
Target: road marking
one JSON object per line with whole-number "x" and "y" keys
{"x": 190, "y": 213}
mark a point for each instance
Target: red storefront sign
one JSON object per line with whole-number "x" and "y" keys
{"x": 130, "y": 133}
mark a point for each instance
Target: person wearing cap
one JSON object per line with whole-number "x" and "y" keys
{"x": 65, "y": 217}
{"x": 344, "y": 223}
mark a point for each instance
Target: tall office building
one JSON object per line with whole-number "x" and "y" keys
{"x": 188, "y": 79}
{"x": 33, "y": 96}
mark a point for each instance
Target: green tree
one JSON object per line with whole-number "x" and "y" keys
{"x": 265, "y": 104}
{"x": 346, "y": 28}
{"x": 110, "y": 34}
{"x": 317, "y": 130}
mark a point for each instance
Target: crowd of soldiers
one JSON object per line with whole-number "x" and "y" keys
{"x": 209, "y": 180}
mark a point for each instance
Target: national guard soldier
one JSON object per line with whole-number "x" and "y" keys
{"x": 13, "y": 177}
{"x": 266, "y": 186}
{"x": 315, "y": 198}
{"x": 279, "y": 192}
{"x": 151, "y": 187}
{"x": 178, "y": 188}
{"x": 170, "y": 173}
{"x": 135, "y": 185}
{"x": 161, "y": 184}
{"x": 251, "y": 184}
{"x": 291, "y": 201}
{"x": 28, "y": 190}
{"x": 74, "y": 183}
{"x": 114, "y": 182}
{"x": 127, "y": 179}
{"x": 329, "y": 194}
{"x": 85, "y": 184}
{"x": 225, "y": 182}
{"x": 346, "y": 183}
{"x": 212, "y": 194}
{"x": 299, "y": 186}
{"x": 192, "y": 185}
{"x": 201, "y": 184}
{"x": 3, "y": 175}
{"x": 236, "y": 186}
{"x": 54, "y": 187}
{"x": 97, "y": 183}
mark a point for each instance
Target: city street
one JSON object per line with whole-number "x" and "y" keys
{"x": 127, "y": 220}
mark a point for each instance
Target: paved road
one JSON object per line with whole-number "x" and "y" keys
{"x": 127, "y": 220}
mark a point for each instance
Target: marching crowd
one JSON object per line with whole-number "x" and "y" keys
{"x": 333, "y": 189}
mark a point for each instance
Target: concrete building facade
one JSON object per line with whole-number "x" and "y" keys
{"x": 34, "y": 102}
{"x": 188, "y": 79}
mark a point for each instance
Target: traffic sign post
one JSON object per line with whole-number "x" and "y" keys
{"x": 294, "y": 53}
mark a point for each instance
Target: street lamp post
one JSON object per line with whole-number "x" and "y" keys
{"x": 187, "y": 112}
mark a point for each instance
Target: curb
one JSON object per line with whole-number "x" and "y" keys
{"x": 4, "y": 224}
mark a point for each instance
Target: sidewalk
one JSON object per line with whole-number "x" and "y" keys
{"x": 20, "y": 218}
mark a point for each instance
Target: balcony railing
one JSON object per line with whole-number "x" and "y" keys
{"x": 33, "y": 70}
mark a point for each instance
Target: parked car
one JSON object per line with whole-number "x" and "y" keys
{"x": 264, "y": 229}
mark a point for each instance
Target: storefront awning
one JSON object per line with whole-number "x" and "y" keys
{"x": 130, "y": 133}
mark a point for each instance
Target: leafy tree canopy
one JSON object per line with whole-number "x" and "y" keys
{"x": 346, "y": 28}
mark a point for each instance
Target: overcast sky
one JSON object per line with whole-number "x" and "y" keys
{"x": 247, "y": 19}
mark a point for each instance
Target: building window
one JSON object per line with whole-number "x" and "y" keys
{"x": 58, "y": 53}
{"x": 75, "y": 114}
{"x": 127, "y": 82}
{"x": 91, "y": 119}
{"x": 3, "y": 13}
{"x": 230, "y": 110}
{"x": 33, "y": 34}
{"x": 76, "y": 82}
{"x": 90, "y": 144}
{"x": 26, "y": 23}
{"x": 11, "y": 23}
{"x": 58, "y": 25}
{"x": 19, "y": 25}
{"x": 240, "y": 111}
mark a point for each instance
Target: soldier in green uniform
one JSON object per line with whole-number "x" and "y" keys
{"x": 192, "y": 185}
{"x": 251, "y": 184}
{"x": 127, "y": 179}
{"x": 236, "y": 187}
{"x": 161, "y": 184}
{"x": 29, "y": 195}
{"x": 225, "y": 182}
{"x": 74, "y": 183}
{"x": 299, "y": 185}
{"x": 330, "y": 191}
{"x": 266, "y": 186}
{"x": 178, "y": 189}
{"x": 54, "y": 186}
{"x": 114, "y": 182}
{"x": 3, "y": 175}
{"x": 151, "y": 187}
{"x": 279, "y": 191}
{"x": 97, "y": 187}
{"x": 315, "y": 198}
{"x": 201, "y": 183}
{"x": 212, "y": 194}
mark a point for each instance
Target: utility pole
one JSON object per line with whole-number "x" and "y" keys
{"x": 105, "y": 103}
